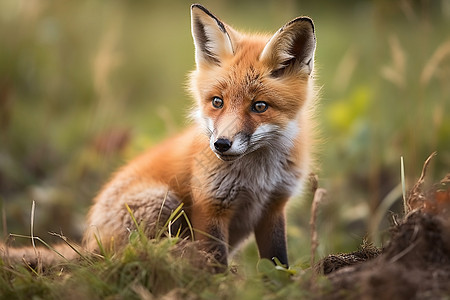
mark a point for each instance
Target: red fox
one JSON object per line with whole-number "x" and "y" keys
{"x": 247, "y": 153}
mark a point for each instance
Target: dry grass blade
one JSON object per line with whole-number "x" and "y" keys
{"x": 402, "y": 171}
{"x": 161, "y": 209}
{"x": 69, "y": 244}
{"x": 318, "y": 196}
{"x": 434, "y": 63}
{"x": 396, "y": 72}
{"x": 416, "y": 198}
{"x": 191, "y": 229}
{"x": 33, "y": 208}
{"x": 40, "y": 240}
{"x": 100, "y": 246}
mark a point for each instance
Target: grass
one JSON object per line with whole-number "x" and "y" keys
{"x": 141, "y": 265}
{"x": 152, "y": 269}
{"x": 148, "y": 270}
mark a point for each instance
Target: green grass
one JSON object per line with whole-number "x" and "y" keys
{"x": 149, "y": 269}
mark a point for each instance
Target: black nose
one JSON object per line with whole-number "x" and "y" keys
{"x": 222, "y": 145}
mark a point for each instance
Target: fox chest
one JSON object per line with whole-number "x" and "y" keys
{"x": 248, "y": 187}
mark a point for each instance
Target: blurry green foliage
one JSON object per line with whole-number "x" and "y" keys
{"x": 343, "y": 114}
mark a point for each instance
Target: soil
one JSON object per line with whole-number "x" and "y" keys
{"x": 415, "y": 264}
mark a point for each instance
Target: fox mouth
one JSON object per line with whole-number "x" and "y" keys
{"x": 225, "y": 157}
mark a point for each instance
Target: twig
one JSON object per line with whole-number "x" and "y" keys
{"x": 415, "y": 194}
{"x": 425, "y": 166}
{"x": 318, "y": 196}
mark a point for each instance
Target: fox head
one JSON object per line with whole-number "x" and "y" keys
{"x": 250, "y": 90}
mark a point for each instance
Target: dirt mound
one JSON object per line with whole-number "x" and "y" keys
{"x": 414, "y": 265}
{"x": 335, "y": 262}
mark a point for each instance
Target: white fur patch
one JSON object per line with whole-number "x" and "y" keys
{"x": 267, "y": 134}
{"x": 196, "y": 115}
{"x": 292, "y": 130}
{"x": 265, "y": 128}
{"x": 218, "y": 42}
{"x": 209, "y": 124}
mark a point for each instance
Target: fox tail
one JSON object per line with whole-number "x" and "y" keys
{"x": 42, "y": 256}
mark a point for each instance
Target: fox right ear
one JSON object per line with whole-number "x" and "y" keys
{"x": 211, "y": 39}
{"x": 291, "y": 49}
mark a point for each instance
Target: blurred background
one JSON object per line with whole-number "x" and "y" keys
{"x": 87, "y": 85}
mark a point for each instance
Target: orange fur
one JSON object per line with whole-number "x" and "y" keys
{"x": 240, "y": 186}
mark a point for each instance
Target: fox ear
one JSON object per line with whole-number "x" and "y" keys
{"x": 291, "y": 49}
{"x": 211, "y": 39}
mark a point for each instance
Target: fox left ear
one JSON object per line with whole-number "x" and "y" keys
{"x": 292, "y": 48}
{"x": 211, "y": 39}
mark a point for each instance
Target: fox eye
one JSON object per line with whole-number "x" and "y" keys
{"x": 260, "y": 106}
{"x": 217, "y": 102}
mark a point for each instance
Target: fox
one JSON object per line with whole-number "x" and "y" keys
{"x": 247, "y": 152}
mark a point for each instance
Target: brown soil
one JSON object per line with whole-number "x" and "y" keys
{"x": 415, "y": 264}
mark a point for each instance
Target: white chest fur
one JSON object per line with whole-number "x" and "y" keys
{"x": 248, "y": 185}
{"x": 257, "y": 175}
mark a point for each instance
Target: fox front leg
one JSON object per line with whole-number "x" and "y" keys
{"x": 211, "y": 229}
{"x": 270, "y": 234}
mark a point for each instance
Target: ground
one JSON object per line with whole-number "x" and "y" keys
{"x": 415, "y": 264}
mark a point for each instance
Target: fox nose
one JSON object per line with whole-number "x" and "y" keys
{"x": 222, "y": 145}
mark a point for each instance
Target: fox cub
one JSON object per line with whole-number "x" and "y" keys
{"x": 247, "y": 153}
